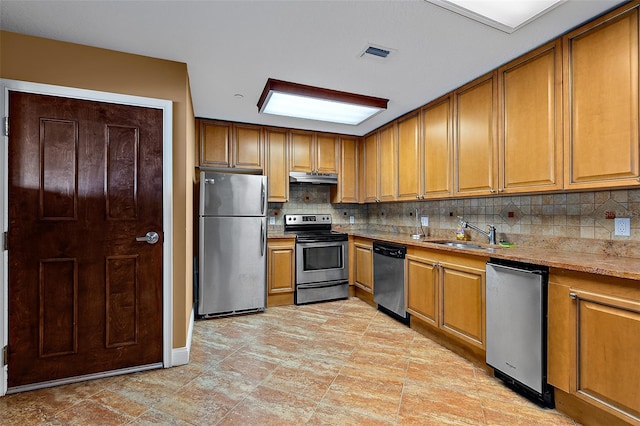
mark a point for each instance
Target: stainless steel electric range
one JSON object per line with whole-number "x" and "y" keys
{"x": 322, "y": 258}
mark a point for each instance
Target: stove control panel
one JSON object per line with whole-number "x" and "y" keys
{"x": 307, "y": 219}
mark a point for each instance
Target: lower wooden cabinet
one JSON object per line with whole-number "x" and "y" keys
{"x": 281, "y": 272}
{"x": 448, "y": 292}
{"x": 363, "y": 271}
{"x": 422, "y": 288}
{"x": 594, "y": 333}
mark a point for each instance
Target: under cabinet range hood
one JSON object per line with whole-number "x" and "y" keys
{"x": 314, "y": 178}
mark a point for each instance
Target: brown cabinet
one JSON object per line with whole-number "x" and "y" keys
{"x": 437, "y": 158}
{"x": 229, "y": 145}
{"x": 447, "y": 291}
{"x": 347, "y": 189}
{"x": 281, "y": 275}
{"x": 422, "y": 287}
{"x": 277, "y": 169}
{"x": 475, "y": 137}
{"x": 380, "y": 168}
{"x": 370, "y": 170}
{"x": 601, "y": 101}
{"x": 409, "y": 166}
{"x": 463, "y": 301}
{"x": 530, "y": 133}
{"x": 363, "y": 270}
{"x": 314, "y": 152}
{"x": 594, "y": 330}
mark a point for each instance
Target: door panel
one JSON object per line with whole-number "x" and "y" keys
{"x": 85, "y": 179}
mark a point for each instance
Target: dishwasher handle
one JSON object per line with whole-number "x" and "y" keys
{"x": 390, "y": 250}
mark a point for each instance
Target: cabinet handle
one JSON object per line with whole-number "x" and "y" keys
{"x": 573, "y": 296}
{"x": 417, "y": 197}
{"x": 492, "y": 190}
{"x": 500, "y": 189}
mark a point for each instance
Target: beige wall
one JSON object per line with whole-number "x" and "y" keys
{"x": 46, "y": 61}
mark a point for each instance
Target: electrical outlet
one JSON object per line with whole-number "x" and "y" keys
{"x": 352, "y": 220}
{"x": 272, "y": 220}
{"x": 424, "y": 220}
{"x": 622, "y": 227}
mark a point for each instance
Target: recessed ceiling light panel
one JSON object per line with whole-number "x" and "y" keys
{"x": 314, "y": 103}
{"x": 505, "y": 15}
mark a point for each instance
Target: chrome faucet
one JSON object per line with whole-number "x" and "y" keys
{"x": 491, "y": 234}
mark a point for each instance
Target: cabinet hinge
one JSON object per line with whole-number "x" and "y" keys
{"x": 5, "y": 126}
{"x": 5, "y": 356}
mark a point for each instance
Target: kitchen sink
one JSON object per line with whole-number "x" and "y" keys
{"x": 460, "y": 245}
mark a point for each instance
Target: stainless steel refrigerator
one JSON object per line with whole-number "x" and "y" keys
{"x": 233, "y": 241}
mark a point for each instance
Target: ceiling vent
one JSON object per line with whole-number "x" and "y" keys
{"x": 376, "y": 52}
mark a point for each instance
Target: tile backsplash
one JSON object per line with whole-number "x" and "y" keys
{"x": 528, "y": 219}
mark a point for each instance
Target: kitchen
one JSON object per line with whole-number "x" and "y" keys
{"x": 524, "y": 218}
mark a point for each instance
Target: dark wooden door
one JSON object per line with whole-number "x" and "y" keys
{"x": 85, "y": 179}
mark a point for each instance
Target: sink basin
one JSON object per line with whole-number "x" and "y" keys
{"x": 460, "y": 245}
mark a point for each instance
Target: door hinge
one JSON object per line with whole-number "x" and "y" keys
{"x": 5, "y": 356}
{"x": 5, "y": 126}
{"x": 5, "y": 238}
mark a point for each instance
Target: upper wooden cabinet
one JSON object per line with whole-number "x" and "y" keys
{"x": 530, "y": 132}
{"x": 314, "y": 152}
{"x": 601, "y": 101}
{"x": 437, "y": 140}
{"x": 229, "y": 145}
{"x": 380, "y": 168}
{"x": 475, "y": 137}
{"x": 277, "y": 165}
{"x": 347, "y": 189}
{"x": 409, "y": 165}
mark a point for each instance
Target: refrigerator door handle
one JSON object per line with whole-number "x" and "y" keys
{"x": 262, "y": 199}
{"x": 262, "y": 242}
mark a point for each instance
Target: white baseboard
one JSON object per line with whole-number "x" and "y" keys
{"x": 180, "y": 356}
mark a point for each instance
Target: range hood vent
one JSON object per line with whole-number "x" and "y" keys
{"x": 314, "y": 178}
{"x": 377, "y": 52}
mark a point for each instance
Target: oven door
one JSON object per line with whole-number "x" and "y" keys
{"x": 318, "y": 262}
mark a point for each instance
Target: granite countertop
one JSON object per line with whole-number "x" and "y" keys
{"x": 602, "y": 264}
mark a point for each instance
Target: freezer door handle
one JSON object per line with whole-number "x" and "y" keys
{"x": 262, "y": 198}
{"x": 262, "y": 238}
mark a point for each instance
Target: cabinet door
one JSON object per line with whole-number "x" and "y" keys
{"x": 475, "y": 162}
{"x": 608, "y": 332}
{"x": 463, "y": 303}
{"x": 387, "y": 164}
{"x": 601, "y": 102}
{"x": 277, "y": 165}
{"x": 247, "y": 147}
{"x": 409, "y": 175}
{"x": 437, "y": 151}
{"x": 422, "y": 289}
{"x": 530, "y": 140}
{"x": 347, "y": 189}
{"x": 326, "y": 154}
{"x": 363, "y": 275}
{"x": 301, "y": 151}
{"x": 214, "y": 140}
{"x": 280, "y": 271}
{"x": 371, "y": 168}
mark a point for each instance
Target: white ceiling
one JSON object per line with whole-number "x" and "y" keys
{"x": 232, "y": 47}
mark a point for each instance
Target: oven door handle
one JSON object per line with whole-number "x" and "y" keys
{"x": 322, "y": 284}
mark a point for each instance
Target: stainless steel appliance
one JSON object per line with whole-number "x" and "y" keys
{"x": 516, "y": 306}
{"x": 233, "y": 241}
{"x": 388, "y": 279}
{"x": 314, "y": 178}
{"x": 322, "y": 259}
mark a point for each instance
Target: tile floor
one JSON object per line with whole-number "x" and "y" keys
{"x": 335, "y": 363}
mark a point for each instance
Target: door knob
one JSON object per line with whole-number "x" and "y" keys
{"x": 150, "y": 238}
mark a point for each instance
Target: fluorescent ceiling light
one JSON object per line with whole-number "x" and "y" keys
{"x": 314, "y": 103}
{"x": 505, "y": 15}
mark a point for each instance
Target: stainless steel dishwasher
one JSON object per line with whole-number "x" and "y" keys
{"x": 388, "y": 279}
{"x": 516, "y": 306}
